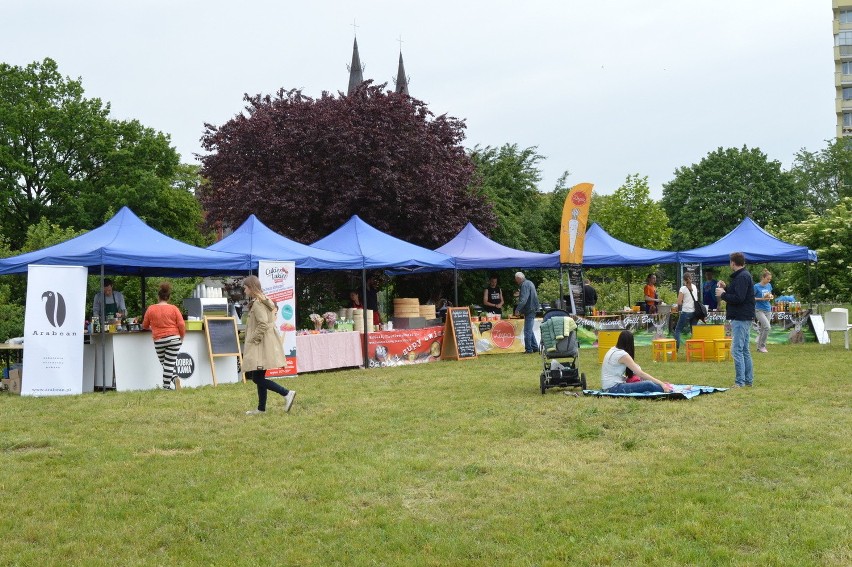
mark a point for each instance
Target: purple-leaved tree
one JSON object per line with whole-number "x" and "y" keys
{"x": 304, "y": 166}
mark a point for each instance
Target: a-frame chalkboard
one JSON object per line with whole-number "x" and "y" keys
{"x": 458, "y": 335}
{"x": 222, "y": 340}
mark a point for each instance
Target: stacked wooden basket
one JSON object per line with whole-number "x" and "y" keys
{"x": 406, "y": 307}
{"x": 428, "y": 312}
{"x": 409, "y": 314}
{"x": 358, "y": 320}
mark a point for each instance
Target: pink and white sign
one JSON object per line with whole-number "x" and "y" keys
{"x": 278, "y": 280}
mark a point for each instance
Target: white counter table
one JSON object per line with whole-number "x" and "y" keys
{"x": 132, "y": 363}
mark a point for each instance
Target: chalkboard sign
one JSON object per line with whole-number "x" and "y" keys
{"x": 222, "y": 340}
{"x": 458, "y": 335}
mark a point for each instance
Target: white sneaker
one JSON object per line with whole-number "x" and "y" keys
{"x": 254, "y": 412}
{"x": 288, "y": 399}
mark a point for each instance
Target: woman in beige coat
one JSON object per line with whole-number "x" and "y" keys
{"x": 263, "y": 347}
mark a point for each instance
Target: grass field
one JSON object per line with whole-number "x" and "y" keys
{"x": 451, "y": 463}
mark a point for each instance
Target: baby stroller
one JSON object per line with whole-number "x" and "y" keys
{"x": 559, "y": 352}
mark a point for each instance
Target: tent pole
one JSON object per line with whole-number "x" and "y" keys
{"x": 456, "y": 286}
{"x": 561, "y": 292}
{"x": 366, "y": 341}
{"x": 144, "y": 302}
{"x": 101, "y": 317}
{"x": 627, "y": 274}
{"x": 810, "y": 283}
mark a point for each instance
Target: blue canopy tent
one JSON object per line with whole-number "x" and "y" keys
{"x": 378, "y": 250}
{"x": 261, "y": 243}
{"x": 472, "y": 250}
{"x": 125, "y": 245}
{"x": 602, "y": 250}
{"x": 756, "y": 244}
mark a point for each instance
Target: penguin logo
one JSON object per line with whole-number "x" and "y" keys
{"x": 54, "y": 308}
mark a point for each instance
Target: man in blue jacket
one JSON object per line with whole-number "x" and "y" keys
{"x": 527, "y": 306}
{"x": 739, "y": 298}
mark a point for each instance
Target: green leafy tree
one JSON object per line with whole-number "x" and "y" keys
{"x": 707, "y": 200}
{"x": 45, "y": 233}
{"x": 509, "y": 177}
{"x": 62, "y": 158}
{"x": 830, "y": 235}
{"x": 631, "y": 206}
{"x": 551, "y": 216}
{"x": 826, "y": 175}
{"x": 11, "y": 315}
{"x": 13, "y": 289}
{"x": 630, "y": 215}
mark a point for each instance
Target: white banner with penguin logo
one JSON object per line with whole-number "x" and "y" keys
{"x": 53, "y": 331}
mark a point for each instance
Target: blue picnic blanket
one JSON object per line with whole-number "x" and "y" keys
{"x": 679, "y": 392}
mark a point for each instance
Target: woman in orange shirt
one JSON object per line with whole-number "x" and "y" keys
{"x": 167, "y": 330}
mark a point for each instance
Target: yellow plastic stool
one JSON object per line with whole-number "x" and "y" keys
{"x": 695, "y": 347}
{"x": 663, "y": 348}
{"x": 723, "y": 349}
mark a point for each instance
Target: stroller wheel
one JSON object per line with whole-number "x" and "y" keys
{"x": 583, "y": 380}
{"x": 543, "y": 382}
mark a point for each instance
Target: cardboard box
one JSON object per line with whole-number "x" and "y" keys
{"x": 409, "y": 322}
{"x": 13, "y": 382}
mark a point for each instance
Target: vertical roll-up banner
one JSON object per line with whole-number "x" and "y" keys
{"x": 53, "y": 331}
{"x": 572, "y": 236}
{"x": 278, "y": 280}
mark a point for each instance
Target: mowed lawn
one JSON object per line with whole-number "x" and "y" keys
{"x": 450, "y": 463}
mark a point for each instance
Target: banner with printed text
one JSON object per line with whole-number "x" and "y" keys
{"x": 53, "y": 331}
{"x": 405, "y": 346}
{"x": 575, "y": 215}
{"x": 278, "y": 280}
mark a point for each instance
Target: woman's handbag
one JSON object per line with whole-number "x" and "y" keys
{"x": 700, "y": 313}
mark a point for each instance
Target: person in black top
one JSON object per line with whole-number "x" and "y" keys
{"x": 492, "y": 296}
{"x": 590, "y": 296}
{"x": 709, "y": 290}
{"x": 739, "y": 310}
{"x": 372, "y": 299}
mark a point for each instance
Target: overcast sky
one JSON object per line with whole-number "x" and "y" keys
{"x": 603, "y": 88}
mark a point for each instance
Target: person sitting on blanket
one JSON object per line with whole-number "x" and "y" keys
{"x": 618, "y": 367}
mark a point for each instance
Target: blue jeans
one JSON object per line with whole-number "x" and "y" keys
{"x": 636, "y": 388}
{"x": 741, "y": 354}
{"x": 529, "y": 337}
{"x": 264, "y": 384}
{"x": 684, "y": 319}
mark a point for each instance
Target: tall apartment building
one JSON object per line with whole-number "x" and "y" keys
{"x": 843, "y": 65}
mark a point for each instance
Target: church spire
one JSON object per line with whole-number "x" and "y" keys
{"x": 356, "y": 70}
{"x": 401, "y": 79}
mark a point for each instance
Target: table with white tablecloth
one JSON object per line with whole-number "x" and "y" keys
{"x": 325, "y": 351}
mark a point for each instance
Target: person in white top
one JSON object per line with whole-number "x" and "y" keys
{"x": 618, "y": 366}
{"x": 686, "y": 297}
